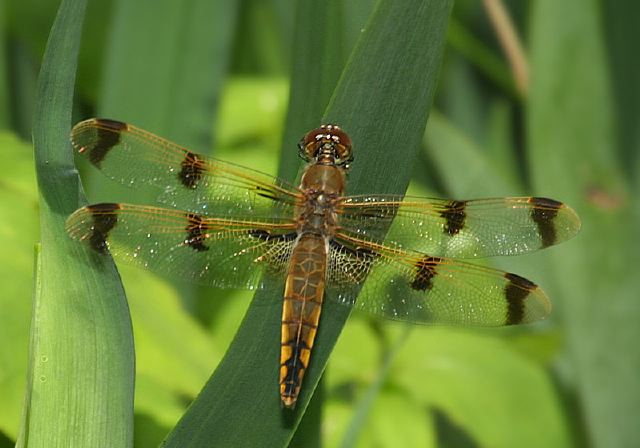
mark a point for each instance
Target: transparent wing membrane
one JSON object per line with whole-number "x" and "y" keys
{"x": 186, "y": 180}
{"x": 414, "y": 287}
{"x": 392, "y": 256}
{"x": 219, "y": 252}
{"x": 460, "y": 229}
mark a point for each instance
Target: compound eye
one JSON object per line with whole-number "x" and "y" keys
{"x": 342, "y": 143}
{"x": 327, "y": 134}
{"x": 312, "y": 137}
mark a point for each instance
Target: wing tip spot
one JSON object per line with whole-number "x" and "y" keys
{"x": 546, "y": 202}
{"x": 104, "y": 220}
{"x": 106, "y": 134}
{"x": 104, "y": 207}
{"x": 516, "y": 292}
{"x": 111, "y": 124}
{"x": 544, "y": 213}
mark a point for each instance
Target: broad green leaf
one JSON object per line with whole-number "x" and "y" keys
{"x": 336, "y": 414}
{"x": 450, "y": 149}
{"x": 174, "y": 354}
{"x": 95, "y": 34}
{"x": 476, "y": 51}
{"x": 385, "y": 402}
{"x": 384, "y": 109}
{"x": 229, "y": 311}
{"x": 620, "y": 21}
{"x": 309, "y": 431}
{"x": 352, "y": 360}
{"x": 18, "y": 217}
{"x": 23, "y": 91}
{"x": 397, "y": 420}
{"x": 353, "y": 371}
{"x": 172, "y": 348}
{"x": 355, "y": 16}
{"x": 157, "y": 410}
{"x": 500, "y": 143}
{"x": 165, "y": 66}
{"x": 250, "y": 109}
{"x": 154, "y": 399}
{"x": 27, "y": 26}
{"x": 573, "y": 154}
{"x": 495, "y": 394}
{"x": 30, "y": 22}
{"x": 259, "y": 46}
{"x": 460, "y": 98}
{"x": 318, "y": 60}
{"x": 81, "y": 367}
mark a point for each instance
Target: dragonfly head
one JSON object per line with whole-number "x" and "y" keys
{"x": 327, "y": 145}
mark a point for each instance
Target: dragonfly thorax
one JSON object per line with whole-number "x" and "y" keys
{"x": 322, "y": 185}
{"x": 322, "y": 182}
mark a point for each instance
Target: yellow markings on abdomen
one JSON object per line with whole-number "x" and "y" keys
{"x": 304, "y": 290}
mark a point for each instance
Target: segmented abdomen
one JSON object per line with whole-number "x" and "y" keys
{"x": 303, "y": 294}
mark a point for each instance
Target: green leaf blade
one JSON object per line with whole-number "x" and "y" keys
{"x": 174, "y": 54}
{"x": 81, "y": 361}
{"x": 573, "y": 156}
{"x": 484, "y": 386}
{"x": 382, "y": 101}
{"x": 18, "y": 216}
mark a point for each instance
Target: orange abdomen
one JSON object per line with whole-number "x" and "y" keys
{"x": 303, "y": 293}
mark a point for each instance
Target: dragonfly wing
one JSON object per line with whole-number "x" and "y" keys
{"x": 221, "y": 252}
{"x": 188, "y": 181}
{"x": 461, "y": 229}
{"x": 419, "y": 288}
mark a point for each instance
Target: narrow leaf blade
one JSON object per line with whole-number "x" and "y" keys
{"x": 82, "y": 360}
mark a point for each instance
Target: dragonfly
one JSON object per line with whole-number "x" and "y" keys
{"x": 398, "y": 257}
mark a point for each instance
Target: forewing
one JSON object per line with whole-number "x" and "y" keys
{"x": 460, "y": 229}
{"x": 226, "y": 253}
{"x": 187, "y": 180}
{"x": 418, "y": 288}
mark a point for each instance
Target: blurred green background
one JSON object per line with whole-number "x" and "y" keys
{"x": 559, "y": 117}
